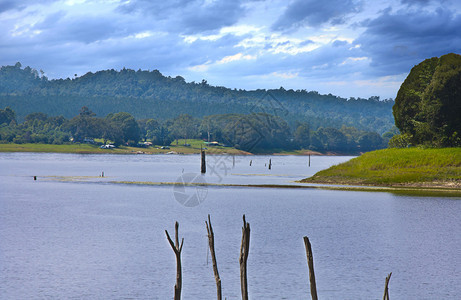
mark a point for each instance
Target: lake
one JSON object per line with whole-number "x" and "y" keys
{"x": 72, "y": 234}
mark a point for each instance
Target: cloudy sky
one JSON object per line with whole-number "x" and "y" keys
{"x": 350, "y": 48}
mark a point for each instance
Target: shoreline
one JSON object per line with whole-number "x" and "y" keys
{"x": 426, "y": 191}
{"x": 408, "y": 168}
{"x": 173, "y": 150}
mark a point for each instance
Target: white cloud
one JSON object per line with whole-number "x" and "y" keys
{"x": 354, "y": 59}
{"x": 199, "y": 68}
{"x": 285, "y": 75}
{"x": 235, "y": 57}
{"x": 242, "y": 43}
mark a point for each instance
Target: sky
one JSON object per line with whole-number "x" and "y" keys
{"x": 349, "y": 48}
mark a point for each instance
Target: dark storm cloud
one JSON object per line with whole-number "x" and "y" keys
{"x": 327, "y": 62}
{"x": 397, "y": 41}
{"x": 188, "y": 16}
{"x": 315, "y": 12}
{"x": 415, "y": 2}
{"x": 57, "y": 27}
{"x": 6, "y": 5}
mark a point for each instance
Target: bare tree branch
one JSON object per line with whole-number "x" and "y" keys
{"x": 177, "y": 251}
{"x": 244, "y": 251}
{"x": 209, "y": 229}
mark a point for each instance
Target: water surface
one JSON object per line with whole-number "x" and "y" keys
{"x": 90, "y": 238}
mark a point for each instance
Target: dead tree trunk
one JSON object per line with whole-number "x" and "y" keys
{"x": 177, "y": 251}
{"x": 310, "y": 263}
{"x": 244, "y": 250}
{"x": 209, "y": 229}
{"x": 203, "y": 168}
{"x": 386, "y": 290}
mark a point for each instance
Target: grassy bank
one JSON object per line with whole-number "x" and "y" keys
{"x": 94, "y": 149}
{"x": 412, "y": 167}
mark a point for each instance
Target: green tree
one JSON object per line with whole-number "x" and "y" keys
{"x": 149, "y": 129}
{"x": 428, "y": 105}
{"x": 302, "y": 135}
{"x": 129, "y": 129}
{"x": 400, "y": 141}
{"x": 85, "y": 125}
{"x": 332, "y": 139}
{"x": 7, "y": 116}
{"x": 184, "y": 126}
{"x": 370, "y": 141}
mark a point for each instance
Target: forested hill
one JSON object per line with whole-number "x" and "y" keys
{"x": 149, "y": 94}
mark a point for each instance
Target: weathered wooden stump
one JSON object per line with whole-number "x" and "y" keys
{"x": 244, "y": 250}
{"x": 310, "y": 263}
{"x": 213, "y": 257}
{"x": 177, "y": 251}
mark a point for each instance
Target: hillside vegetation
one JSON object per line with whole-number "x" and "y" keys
{"x": 397, "y": 167}
{"x": 428, "y": 105}
{"x": 256, "y": 133}
{"x": 149, "y": 94}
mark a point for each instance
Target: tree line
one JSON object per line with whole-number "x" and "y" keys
{"x": 258, "y": 132}
{"x": 149, "y": 94}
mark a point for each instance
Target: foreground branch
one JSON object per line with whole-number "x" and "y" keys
{"x": 209, "y": 229}
{"x": 244, "y": 250}
{"x": 177, "y": 251}
{"x": 386, "y": 290}
{"x": 310, "y": 263}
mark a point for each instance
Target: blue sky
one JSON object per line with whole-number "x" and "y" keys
{"x": 349, "y": 48}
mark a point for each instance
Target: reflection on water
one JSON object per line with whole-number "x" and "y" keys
{"x": 88, "y": 238}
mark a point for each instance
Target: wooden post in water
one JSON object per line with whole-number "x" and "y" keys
{"x": 203, "y": 169}
{"x": 251, "y": 162}
{"x": 209, "y": 229}
{"x": 386, "y": 290}
{"x": 233, "y": 161}
{"x": 270, "y": 163}
{"x": 244, "y": 250}
{"x": 310, "y": 263}
{"x": 309, "y": 159}
{"x": 35, "y": 177}
{"x": 177, "y": 251}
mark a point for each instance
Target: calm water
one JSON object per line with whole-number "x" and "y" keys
{"x": 86, "y": 237}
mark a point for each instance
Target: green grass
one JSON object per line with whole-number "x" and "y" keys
{"x": 197, "y": 144}
{"x": 94, "y": 149}
{"x": 397, "y": 167}
{"x": 71, "y": 148}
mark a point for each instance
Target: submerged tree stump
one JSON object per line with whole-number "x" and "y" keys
{"x": 203, "y": 167}
{"x": 177, "y": 251}
{"x": 386, "y": 290}
{"x": 213, "y": 257}
{"x": 244, "y": 250}
{"x": 310, "y": 263}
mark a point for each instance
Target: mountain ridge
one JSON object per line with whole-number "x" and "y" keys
{"x": 147, "y": 94}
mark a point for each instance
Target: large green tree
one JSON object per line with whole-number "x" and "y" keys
{"x": 428, "y": 104}
{"x": 84, "y": 125}
{"x": 126, "y": 123}
{"x": 184, "y": 126}
{"x": 7, "y": 115}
